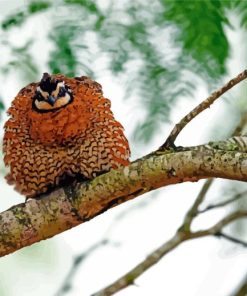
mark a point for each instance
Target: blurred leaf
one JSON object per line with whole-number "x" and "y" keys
{"x": 99, "y": 22}
{"x": 63, "y": 58}
{"x": 200, "y": 34}
{"x": 2, "y": 107}
{"x": 241, "y": 7}
{"x": 20, "y": 17}
{"x": 22, "y": 61}
{"x": 13, "y": 20}
{"x": 38, "y": 6}
{"x": 87, "y": 4}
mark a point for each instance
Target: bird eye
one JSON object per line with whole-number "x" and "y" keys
{"x": 62, "y": 92}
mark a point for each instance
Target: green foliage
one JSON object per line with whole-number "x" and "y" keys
{"x": 14, "y": 20}
{"x": 90, "y": 6}
{"x": 20, "y": 17}
{"x": 158, "y": 47}
{"x": 156, "y": 81}
{"x": 63, "y": 58}
{"x": 1, "y": 105}
{"x": 22, "y": 61}
{"x": 241, "y": 8}
{"x": 38, "y": 6}
{"x": 70, "y": 42}
{"x": 200, "y": 33}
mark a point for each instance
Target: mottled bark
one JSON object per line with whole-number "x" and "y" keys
{"x": 35, "y": 220}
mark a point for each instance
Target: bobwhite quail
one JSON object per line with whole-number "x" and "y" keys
{"x": 61, "y": 127}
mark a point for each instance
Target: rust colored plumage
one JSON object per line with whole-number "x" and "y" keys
{"x": 80, "y": 138}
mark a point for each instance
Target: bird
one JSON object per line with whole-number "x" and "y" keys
{"x": 61, "y": 128}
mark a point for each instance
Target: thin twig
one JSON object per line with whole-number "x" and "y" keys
{"x": 79, "y": 259}
{"x": 154, "y": 257}
{"x": 224, "y": 203}
{"x": 231, "y": 238}
{"x": 220, "y": 225}
{"x": 66, "y": 286}
{"x": 193, "y": 211}
{"x": 131, "y": 276}
{"x": 169, "y": 143}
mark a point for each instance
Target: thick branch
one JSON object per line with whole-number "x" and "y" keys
{"x": 24, "y": 224}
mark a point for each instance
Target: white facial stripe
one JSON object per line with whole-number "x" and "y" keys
{"x": 60, "y": 102}
{"x": 44, "y": 94}
{"x": 60, "y": 84}
{"x": 42, "y": 105}
{"x": 56, "y": 91}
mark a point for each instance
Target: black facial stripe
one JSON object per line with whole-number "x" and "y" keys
{"x": 48, "y": 84}
{"x": 38, "y": 96}
{"x": 62, "y": 92}
{"x": 68, "y": 89}
{"x": 52, "y": 109}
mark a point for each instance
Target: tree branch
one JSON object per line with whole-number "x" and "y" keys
{"x": 200, "y": 108}
{"x": 231, "y": 239}
{"x": 24, "y": 224}
{"x": 66, "y": 286}
{"x": 154, "y": 257}
{"x": 129, "y": 278}
{"x": 191, "y": 214}
{"x": 225, "y": 202}
{"x": 184, "y": 232}
{"x": 193, "y": 211}
{"x": 219, "y": 225}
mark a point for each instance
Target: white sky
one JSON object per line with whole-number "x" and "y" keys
{"x": 203, "y": 267}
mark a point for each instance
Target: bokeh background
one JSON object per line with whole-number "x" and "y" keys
{"x": 155, "y": 60}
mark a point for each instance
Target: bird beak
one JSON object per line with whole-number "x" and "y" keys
{"x": 51, "y": 100}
